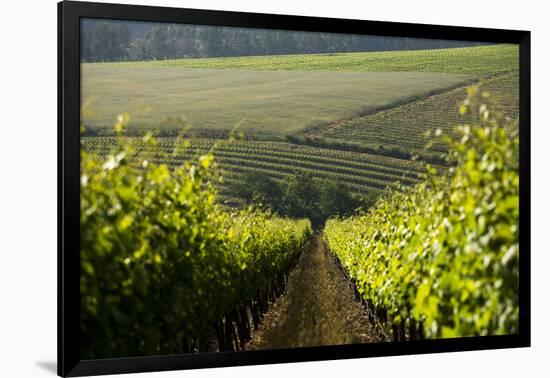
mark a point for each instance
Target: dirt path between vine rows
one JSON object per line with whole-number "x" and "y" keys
{"x": 317, "y": 309}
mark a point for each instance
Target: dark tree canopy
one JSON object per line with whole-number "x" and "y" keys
{"x": 301, "y": 196}
{"x": 118, "y": 41}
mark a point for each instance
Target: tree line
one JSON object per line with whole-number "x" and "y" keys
{"x": 121, "y": 41}
{"x": 301, "y": 196}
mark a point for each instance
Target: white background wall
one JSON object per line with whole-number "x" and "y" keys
{"x": 28, "y": 186}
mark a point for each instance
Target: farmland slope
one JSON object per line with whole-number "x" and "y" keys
{"x": 481, "y": 61}
{"x": 357, "y": 118}
{"x": 273, "y": 102}
{"x": 412, "y": 125}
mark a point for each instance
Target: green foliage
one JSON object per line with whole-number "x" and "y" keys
{"x": 160, "y": 260}
{"x": 335, "y": 199}
{"x": 480, "y": 60}
{"x": 411, "y": 127}
{"x": 259, "y": 188}
{"x": 445, "y": 252}
{"x": 161, "y": 41}
{"x": 106, "y": 42}
{"x": 249, "y": 166}
{"x": 301, "y": 195}
{"x": 304, "y": 196}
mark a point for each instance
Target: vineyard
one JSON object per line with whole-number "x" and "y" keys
{"x": 412, "y": 126}
{"x": 165, "y": 266}
{"x": 441, "y": 259}
{"x": 296, "y": 200}
{"x": 359, "y": 172}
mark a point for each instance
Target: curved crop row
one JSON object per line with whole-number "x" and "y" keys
{"x": 296, "y": 163}
{"x": 349, "y": 159}
{"x": 411, "y": 124}
{"x": 358, "y": 171}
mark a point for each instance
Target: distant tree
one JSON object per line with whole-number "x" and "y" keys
{"x": 182, "y": 43}
{"x": 157, "y": 42}
{"x": 114, "y": 40}
{"x": 86, "y": 52}
{"x": 103, "y": 43}
{"x": 215, "y": 42}
{"x": 336, "y": 199}
{"x": 259, "y": 188}
{"x": 139, "y": 50}
{"x": 284, "y": 42}
{"x": 301, "y": 196}
{"x": 122, "y": 36}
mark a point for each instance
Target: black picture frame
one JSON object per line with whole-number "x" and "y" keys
{"x": 69, "y": 15}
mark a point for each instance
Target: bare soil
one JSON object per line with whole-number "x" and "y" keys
{"x": 317, "y": 309}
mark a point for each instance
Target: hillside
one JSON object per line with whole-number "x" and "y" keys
{"x": 357, "y": 118}
{"x": 269, "y": 102}
{"x": 412, "y": 125}
{"x": 479, "y": 60}
{"x": 359, "y": 172}
{"x": 233, "y": 204}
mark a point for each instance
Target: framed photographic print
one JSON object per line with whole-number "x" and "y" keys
{"x": 239, "y": 188}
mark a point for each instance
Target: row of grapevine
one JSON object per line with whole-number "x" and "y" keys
{"x": 360, "y": 172}
{"x": 293, "y": 163}
{"x": 441, "y": 259}
{"x": 409, "y": 125}
{"x": 164, "y": 268}
{"x": 349, "y": 159}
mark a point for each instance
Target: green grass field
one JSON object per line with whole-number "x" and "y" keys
{"x": 275, "y": 102}
{"x": 482, "y": 61}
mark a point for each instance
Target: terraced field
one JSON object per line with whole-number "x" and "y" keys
{"x": 360, "y": 172}
{"x": 411, "y": 126}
